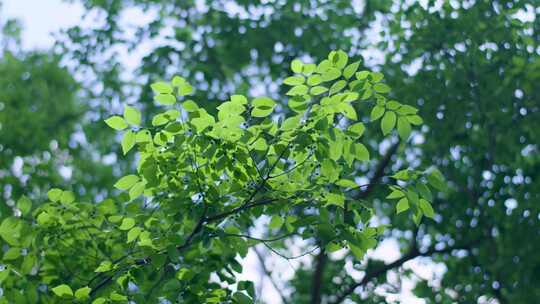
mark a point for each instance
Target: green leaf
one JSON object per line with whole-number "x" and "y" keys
{"x": 367, "y": 94}
{"x": 239, "y": 99}
{"x": 115, "y": 296}
{"x": 104, "y": 266}
{"x": 377, "y": 112}
{"x": 308, "y": 69}
{"x": 294, "y": 80}
{"x": 165, "y": 99}
{"x": 126, "y": 182}
{"x": 83, "y": 293}
{"x": 191, "y": 106}
{"x": 350, "y": 96}
{"x": 403, "y": 127}
{"x": 184, "y": 274}
{"x": 263, "y": 102}
{"x": 331, "y": 74}
{"x": 412, "y": 196}
{"x": 136, "y": 190}
{"x": 339, "y": 58}
{"x": 99, "y": 301}
{"x": 128, "y": 141}
{"x": 362, "y": 75}
{"x": 347, "y": 110}
{"x": 296, "y": 66}
{"x": 12, "y": 253}
{"x": 402, "y": 175}
{"x": 323, "y": 66}
{"x": 436, "y": 179}
{"x": 54, "y": 194}
{"x": 361, "y": 152}
{"x": 43, "y": 219}
{"x": 241, "y": 298}
{"x": 318, "y": 90}
{"x": 357, "y": 129}
{"x": 298, "y": 90}
{"x": 185, "y": 89}
{"x": 424, "y": 191}
{"x": 204, "y": 120}
{"x": 393, "y": 105}
{"x": 426, "y": 208}
{"x": 356, "y": 251}
{"x": 67, "y": 197}
{"x": 298, "y": 104}
{"x": 263, "y": 106}
{"x": 162, "y": 87}
{"x": 402, "y": 205}
{"x": 116, "y": 122}
{"x": 290, "y": 123}
{"x": 337, "y": 86}
{"x": 336, "y": 199}
{"x": 329, "y": 170}
{"x": 276, "y": 222}
{"x": 388, "y": 122}
{"x": 314, "y": 80}
{"x": 63, "y": 291}
{"x": 407, "y": 110}
{"x": 132, "y": 116}
{"x": 143, "y": 136}
{"x": 415, "y": 119}
{"x": 127, "y": 224}
{"x": 177, "y": 81}
{"x": 133, "y": 233}
{"x": 376, "y": 76}
{"x": 24, "y": 205}
{"x": 349, "y": 71}
{"x": 395, "y": 194}
{"x": 228, "y": 109}
{"x": 381, "y": 88}
{"x": 258, "y": 112}
{"x": 346, "y": 183}
{"x": 159, "y": 120}
{"x": 10, "y": 230}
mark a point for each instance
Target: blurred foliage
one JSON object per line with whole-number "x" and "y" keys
{"x": 41, "y": 118}
{"x": 42, "y": 97}
{"x": 474, "y": 69}
{"x": 470, "y": 66}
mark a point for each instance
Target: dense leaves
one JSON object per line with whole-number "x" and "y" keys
{"x": 201, "y": 182}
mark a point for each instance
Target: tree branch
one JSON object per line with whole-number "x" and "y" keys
{"x": 412, "y": 254}
{"x": 316, "y": 281}
{"x": 269, "y": 275}
{"x": 379, "y": 171}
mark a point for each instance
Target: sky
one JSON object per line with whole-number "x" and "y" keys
{"x": 41, "y": 18}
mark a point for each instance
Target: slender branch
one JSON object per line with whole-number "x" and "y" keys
{"x": 258, "y": 239}
{"x": 368, "y": 188}
{"x": 412, "y": 254}
{"x": 291, "y": 257}
{"x": 269, "y": 275}
{"x": 243, "y": 207}
{"x": 204, "y": 219}
{"x": 379, "y": 171}
{"x": 198, "y": 227}
{"x": 159, "y": 281}
{"x": 294, "y": 167}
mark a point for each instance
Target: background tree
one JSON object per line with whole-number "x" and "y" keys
{"x": 470, "y": 65}
{"x": 43, "y": 125}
